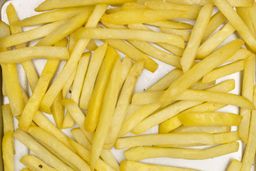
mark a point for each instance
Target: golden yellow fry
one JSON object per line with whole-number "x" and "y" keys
{"x": 185, "y": 34}
{"x": 199, "y": 70}
{"x": 40, "y": 151}
{"x": 134, "y": 53}
{"x": 200, "y": 129}
{"x": 30, "y": 35}
{"x": 122, "y": 104}
{"x": 79, "y": 78}
{"x": 113, "y": 89}
{"x": 173, "y": 49}
{"x": 140, "y": 153}
{"x": 189, "y": 54}
{"x": 223, "y": 71}
{"x": 8, "y": 151}
{"x": 205, "y": 107}
{"x": 25, "y": 169}
{"x": 171, "y": 24}
{"x": 127, "y": 165}
{"x": 108, "y": 157}
{"x": 67, "y": 87}
{"x": 234, "y": 165}
{"x": 53, "y": 4}
{"x": 172, "y": 110}
{"x": 4, "y": 29}
{"x": 130, "y": 34}
{"x": 165, "y": 81}
{"x": 58, "y": 111}
{"x": 52, "y": 16}
{"x": 169, "y": 125}
{"x": 209, "y": 119}
{"x": 240, "y": 55}
{"x": 54, "y": 145}
{"x": 76, "y": 54}
{"x": 35, "y": 163}
{"x": 237, "y": 23}
{"x": 138, "y": 16}
{"x": 247, "y": 91}
{"x": 216, "y": 21}
{"x": 202, "y": 86}
{"x": 8, "y": 124}
{"x": 91, "y": 75}
{"x": 215, "y": 40}
{"x": 81, "y": 138}
{"x": 177, "y": 139}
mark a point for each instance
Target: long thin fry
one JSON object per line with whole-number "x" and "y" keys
{"x": 58, "y": 111}
{"x": 185, "y": 34}
{"x": 206, "y": 107}
{"x": 35, "y": 163}
{"x": 200, "y": 129}
{"x": 8, "y": 124}
{"x": 247, "y": 15}
{"x": 169, "y": 125}
{"x": 195, "y": 39}
{"x": 234, "y": 165}
{"x": 8, "y": 151}
{"x": 67, "y": 87}
{"x": 171, "y": 24}
{"x": 140, "y": 153}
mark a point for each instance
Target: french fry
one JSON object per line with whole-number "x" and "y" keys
{"x": 81, "y": 138}
{"x": 185, "y": 34}
{"x": 130, "y": 34}
{"x": 134, "y": 53}
{"x": 202, "y": 86}
{"x": 76, "y": 54}
{"x": 25, "y": 169}
{"x": 195, "y": 39}
{"x": 35, "y": 163}
{"x": 199, "y": 70}
{"x": 237, "y": 23}
{"x": 209, "y": 119}
{"x": 8, "y": 151}
{"x": 5, "y": 30}
{"x": 169, "y": 125}
{"x": 215, "y": 40}
{"x": 200, "y": 129}
{"x": 52, "y": 4}
{"x": 8, "y": 125}
{"x": 28, "y": 53}
{"x": 234, "y": 165}
{"x": 240, "y": 55}
{"x": 52, "y": 16}
{"x": 108, "y": 157}
{"x": 122, "y": 104}
{"x": 205, "y": 107}
{"x": 223, "y": 71}
{"x": 114, "y": 86}
{"x": 91, "y": 75}
{"x": 138, "y": 16}
{"x": 54, "y": 145}
{"x": 177, "y": 139}
{"x": 58, "y": 111}
{"x": 127, "y": 165}
{"x": 173, "y": 49}
{"x": 171, "y": 24}
{"x": 40, "y": 151}
{"x": 216, "y": 21}
{"x": 140, "y": 153}
{"x": 67, "y": 87}
{"x": 247, "y": 92}
{"x": 30, "y": 35}
{"x": 247, "y": 15}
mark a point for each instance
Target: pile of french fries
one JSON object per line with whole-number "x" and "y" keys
{"x": 95, "y": 51}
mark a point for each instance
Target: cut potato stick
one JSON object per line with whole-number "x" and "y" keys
{"x": 202, "y": 86}
{"x": 97, "y": 98}
{"x": 247, "y": 15}
{"x": 35, "y": 163}
{"x": 247, "y": 92}
{"x": 205, "y": 107}
{"x": 140, "y": 153}
{"x": 169, "y": 125}
{"x": 25, "y": 169}
{"x": 195, "y": 39}
{"x": 91, "y": 75}
{"x": 199, "y": 70}
{"x": 127, "y": 165}
{"x": 177, "y": 139}
{"x": 58, "y": 111}
{"x": 122, "y": 104}
{"x": 53, "y": 4}
{"x": 30, "y": 35}
{"x": 250, "y": 149}
{"x": 200, "y": 129}
{"x": 8, "y": 125}
{"x": 165, "y": 81}
{"x": 216, "y": 21}
{"x": 138, "y": 16}
{"x": 52, "y": 16}
{"x": 240, "y": 55}
{"x": 28, "y": 53}
{"x": 5, "y": 30}
{"x": 134, "y": 53}
{"x": 209, "y": 119}
{"x": 8, "y": 151}
{"x": 40, "y": 151}
{"x": 215, "y": 40}
{"x": 234, "y": 165}
{"x": 54, "y": 145}
{"x": 237, "y": 23}
{"x": 185, "y": 34}
{"x": 107, "y": 111}
{"x": 79, "y": 78}
{"x": 172, "y": 110}
{"x": 79, "y": 48}
{"x": 81, "y": 138}
{"x": 171, "y": 24}
{"x": 223, "y": 71}
{"x": 67, "y": 87}
{"x": 130, "y": 34}
{"x": 173, "y": 49}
